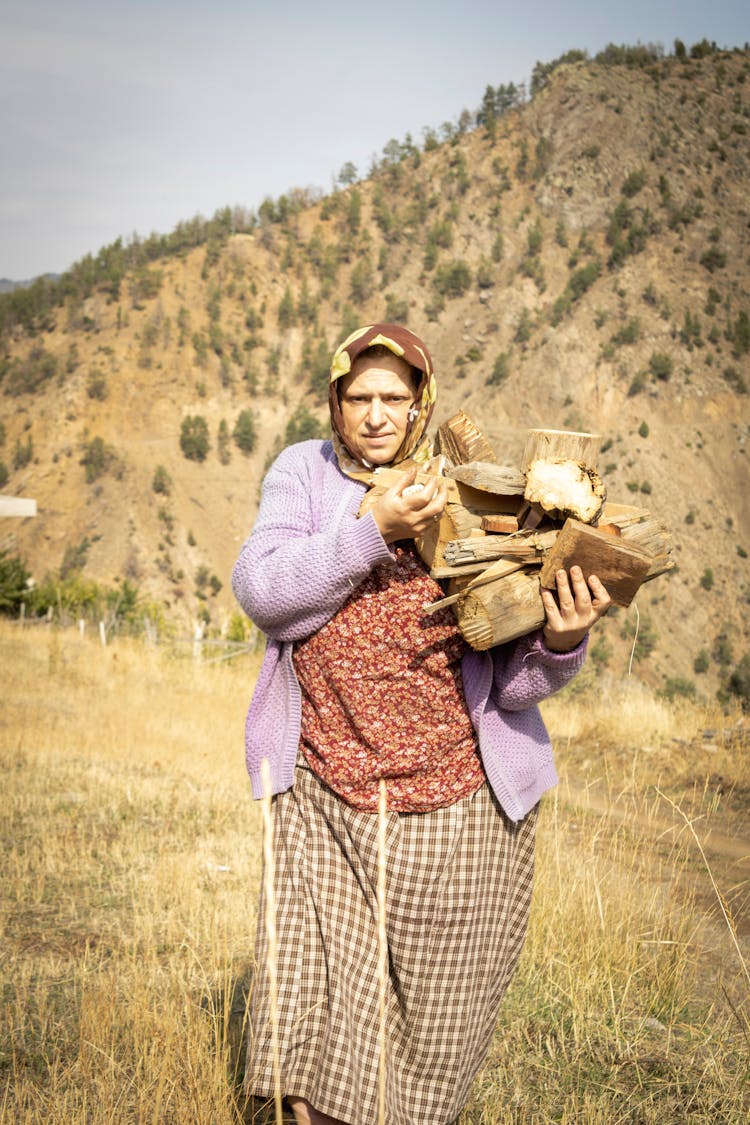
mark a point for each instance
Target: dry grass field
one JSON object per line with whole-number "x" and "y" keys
{"x": 131, "y": 863}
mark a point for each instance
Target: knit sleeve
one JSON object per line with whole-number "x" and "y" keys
{"x": 307, "y": 550}
{"x": 526, "y": 671}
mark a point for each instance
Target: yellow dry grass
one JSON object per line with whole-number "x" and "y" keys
{"x": 131, "y": 857}
{"x": 131, "y": 866}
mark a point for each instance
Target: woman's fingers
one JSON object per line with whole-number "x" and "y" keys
{"x": 564, "y": 593}
{"x": 581, "y": 592}
{"x": 406, "y": 510}
{"x": 579, "y": 604}
{"x": 430, "y": 500}
{"x": 551, "y": 608}
{"x": 601, "y": 600}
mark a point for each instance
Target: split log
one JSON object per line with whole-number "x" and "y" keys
{"x": 622, "y": 515}
{"x": 459, "y": 521}
{"x": 560, "y": 445}
{"x": 465, "y": 520}
{"x": 499, "y": 611}
{"x": 565, "y": 488}
{"x": 431, "y": 546}
{"x": 621, "y": 566}
{"x": 500, "y": 525}
{"x": 652, "y": 536}
{"x": 381, "y": 479}
{"x": 459, "y": 551}
{"x": 461, "y": 441}
{"x": 442, "y": 570}
{"x": 463, "y": 582}
{"x": 531, "y": 546}
{"x": 528, "y": 548}
{"x": 498, "y": 479}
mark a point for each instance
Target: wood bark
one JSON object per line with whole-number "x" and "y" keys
{"x": 652, "y": 536}
{"x": 561, "y": 445}
{"x": 528, "y": 548}
{"x": 498, "y": 479}
{"x": 462, "y": 582}
{"x": 622, "y": 515}
{"x": 461, "y": 441}
{"x": 495, "y": 612}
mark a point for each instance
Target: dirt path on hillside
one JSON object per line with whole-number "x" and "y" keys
{"x": 724, "y": 865}
{"x": 666, "y": 823}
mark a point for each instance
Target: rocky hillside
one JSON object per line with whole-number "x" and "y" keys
{"x": 579, "y": 260}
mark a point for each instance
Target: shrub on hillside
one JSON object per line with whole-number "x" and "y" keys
{"x": 161, "y": 482}
{"x": 634, "y": 183}
{"x": 713, "y": 259}
{"x": 26, "y": 376}
{"x": 238, "y": 628}
{"x": 96, "y": 386}
{"x": 396, "y": 309}
{"x": 362, "y": 281}
{"x": 222, "y": 442}
{"x": 707, "y": 579}
{"x": 739, "y": 682}
{"x": 23, "y": 453}
{"x": 98, "y": 459}
{"x": 453, "y": 279}
{"x": 678, "y": 687}
{"x": 500, "y": 370}
{"x": 302, "y": 426}
{"x": 660, "y": 365}
{"x": 244, "y": 432}
{"x": 735, "y": 379}
{"x": 14, "y": 583}
{"x": 194, "y": 441}
{"x": 144, "y": 285}
{"x": 286, "y": 312}
{"x": 315, "y": 364}
{"x": 739, "y": 334}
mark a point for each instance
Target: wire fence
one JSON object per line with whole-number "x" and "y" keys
{"x": 206, "y": 649}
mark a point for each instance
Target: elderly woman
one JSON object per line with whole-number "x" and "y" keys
{"x": 358, "y": 684}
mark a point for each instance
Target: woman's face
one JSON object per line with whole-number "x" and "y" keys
{"x": 376, "y": 397}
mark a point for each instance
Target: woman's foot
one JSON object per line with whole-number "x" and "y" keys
{"x": 305, "y": 1114}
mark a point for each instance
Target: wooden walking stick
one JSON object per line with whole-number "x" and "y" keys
{"x": 382, "y": 944}
{"x": 272, "y": 959}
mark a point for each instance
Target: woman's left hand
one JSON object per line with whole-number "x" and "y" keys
{"x": 578, "y": 606}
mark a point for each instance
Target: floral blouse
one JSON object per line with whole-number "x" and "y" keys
{"x": 382, "y": 696}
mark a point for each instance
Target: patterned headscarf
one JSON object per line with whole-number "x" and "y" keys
{"x": 407, "y": 346}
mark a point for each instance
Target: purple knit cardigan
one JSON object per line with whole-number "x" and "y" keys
{"x": 305, "y": 555}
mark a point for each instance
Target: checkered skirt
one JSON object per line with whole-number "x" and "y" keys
{"x": 458, "y": 895}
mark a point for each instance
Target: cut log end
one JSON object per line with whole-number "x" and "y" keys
{"x": 566, "y": 488}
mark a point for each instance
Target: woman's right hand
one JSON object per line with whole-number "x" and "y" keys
{"x": 404, "y": 514}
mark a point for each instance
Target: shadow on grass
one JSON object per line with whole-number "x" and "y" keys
{"x": 228, "y": 1009}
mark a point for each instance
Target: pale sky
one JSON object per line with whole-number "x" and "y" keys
{"x": 122, "y": 116}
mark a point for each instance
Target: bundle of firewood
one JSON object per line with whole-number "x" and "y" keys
{"x": 505, "y": 532}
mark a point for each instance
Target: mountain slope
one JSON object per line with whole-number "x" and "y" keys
{"x": 580, "y": 261}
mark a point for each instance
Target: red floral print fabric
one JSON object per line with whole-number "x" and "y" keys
{"x": 382, "y": 696}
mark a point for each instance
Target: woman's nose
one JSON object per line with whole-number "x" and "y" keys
{"x": 375, "y": 413}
